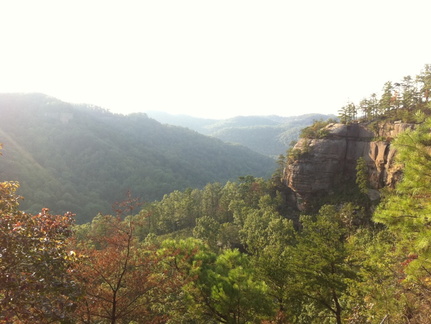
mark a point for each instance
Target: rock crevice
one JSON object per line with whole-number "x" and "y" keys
{"x": 325, "y": 163}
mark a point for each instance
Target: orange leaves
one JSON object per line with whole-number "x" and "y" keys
{"x": 118, "y": 274}
{"x": 35, "y": 282}
{"x": 126, "y": 206}
{"x": 52, "y": 225}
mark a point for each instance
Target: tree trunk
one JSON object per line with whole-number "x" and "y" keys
{"x": 338, "y": 308}
{"x": 114, "y": 308}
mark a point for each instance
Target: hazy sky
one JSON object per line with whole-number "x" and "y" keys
{"x": 215, "y": 59}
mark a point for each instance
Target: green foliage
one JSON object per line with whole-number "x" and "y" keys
{"x": 224, "y": 288}
{"x": 238, "y": 297}
{"x": 405, "y": 211}
{"x": 302, "y": 149}
{"x": 388, "y": 99}
{"x": 424, "y": 81}
{"x": 269, "y": 238}
{"x": 251, "y": 259}
{"x": 362, "y": 175}
{"x": 398, "y": 101}
{"x": 379, "y": 293}
{"x": 120, "y": 276}
{"x": 264, "y": 226}
{"x": 321, "y": 271}
{"x": 369, "y": 107}
{"x": 277, "y": 176}
{"x": 316, "y": 130}
{"x": 322, "y": 267}
{"x": 207, "y": 229}
{"x": 348, "y": 113}
{"x": 344, "y": 193}
{"x": 268, "y": 135}
{"x": 278, "y": 255}
{"x": 293, "y": 154}
{"x": 88, "y": 158}
{"x": 214, "y": 214}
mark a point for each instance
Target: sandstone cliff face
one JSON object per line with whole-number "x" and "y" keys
{"x": 324, "y": 163}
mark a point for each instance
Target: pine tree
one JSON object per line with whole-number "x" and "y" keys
{"x": 406, "y": 211}
{"x": 424, "y": 79}
{"x": 321, "y": 265}
{"x": 348, "y": 113}
{"x": 362, "y": 175}
{"x": 386, "y": 100}
{"x": 408, "y": 208}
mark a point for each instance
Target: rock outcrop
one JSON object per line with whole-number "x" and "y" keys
{"x": 322, "y": 164}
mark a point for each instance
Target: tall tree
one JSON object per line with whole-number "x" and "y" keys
{"x": 268, "y": 238}
{"x": 405, "y": 211}
{"x": 208, "y": 230}
{"x": 348, "y": 113}
{"x": 178, "y": 210}
{"x": 321, "y": 265}
{"x": 386, "y": 102}
{"x": 211, "y": 194}
{"x": 369, "y": 107}
{"x": 379, "y": 293}
{"x": 222, "y": 288}
{"x": 409, "y": 96}
{"x": 118, "y": 275}
{"x": 424, "y": 79}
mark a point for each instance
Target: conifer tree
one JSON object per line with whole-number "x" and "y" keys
{"x": 424, "y": 79}
{"x": 321, "y": 266}
{"x": 406, "y": 211}
{"x": 348, "y": 113}
{"x": 362, "y": 175}
{"x": 387, "y": 98}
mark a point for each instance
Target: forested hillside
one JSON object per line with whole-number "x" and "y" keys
{"x": 84, "y": 158}
{"x": 237, "y": 252}
{"x": 268, "y": 135}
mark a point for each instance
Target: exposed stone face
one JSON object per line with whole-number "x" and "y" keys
{"x": 324, "y": 163}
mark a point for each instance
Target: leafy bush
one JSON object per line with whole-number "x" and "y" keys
{"x": 317, "y": 130}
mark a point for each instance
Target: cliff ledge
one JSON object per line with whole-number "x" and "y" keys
{"x": 322, "y": 164}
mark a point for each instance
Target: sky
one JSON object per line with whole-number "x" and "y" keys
{"x": 213, "y": 59}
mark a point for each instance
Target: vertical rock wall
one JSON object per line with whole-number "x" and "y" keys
{"x": 324, "y": 163}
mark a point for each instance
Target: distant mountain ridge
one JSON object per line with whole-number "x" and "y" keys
{"x": 269, "y": 135}
{"x": 83, "y": 158}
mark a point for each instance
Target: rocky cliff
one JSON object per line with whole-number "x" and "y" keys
{"x": 320, "y": 165}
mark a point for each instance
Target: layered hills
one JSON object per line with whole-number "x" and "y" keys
{"x": 84, "y": 158}
{"x": 268, "y": 135}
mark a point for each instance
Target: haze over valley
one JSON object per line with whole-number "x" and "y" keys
{"x": 237, "y": 162}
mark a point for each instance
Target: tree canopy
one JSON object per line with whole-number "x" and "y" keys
{"x": 232, "y": 252}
